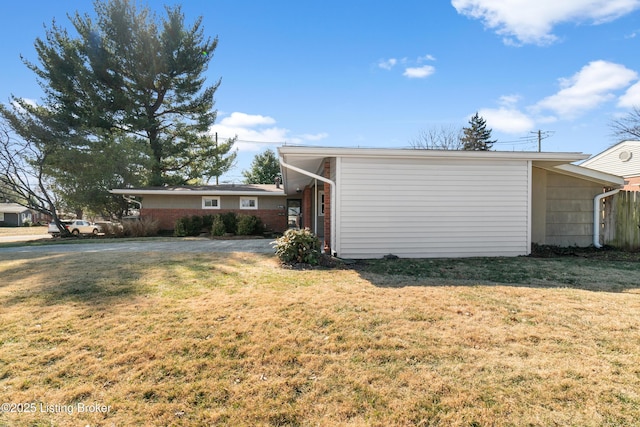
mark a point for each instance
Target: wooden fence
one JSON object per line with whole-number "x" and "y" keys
{"x": 622, "y": 220}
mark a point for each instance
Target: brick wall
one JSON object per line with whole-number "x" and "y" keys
{"x": 273, "y": 219}
{"x": 306, "y": 207}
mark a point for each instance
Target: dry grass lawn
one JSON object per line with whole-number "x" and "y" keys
{"x": 234, "y": 339}
{"x": 23, "y": 231}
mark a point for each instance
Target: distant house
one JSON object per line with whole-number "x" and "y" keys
{"x": 622, "y": 159}
{"x": 432, "y": 203}
{"x": 14, "y": 215}
{"x": 167, "y": 204}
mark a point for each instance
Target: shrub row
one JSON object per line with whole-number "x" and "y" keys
{"x": 218, "y": 225}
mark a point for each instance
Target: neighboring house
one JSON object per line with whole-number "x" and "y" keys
{"x": 622, "y": 159}
{"x": 431, "y": 203}
{"x": 14, "y": 215}
{"x": 167, "y": 204}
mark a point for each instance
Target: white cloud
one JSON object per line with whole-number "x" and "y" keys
{"x": 255, "y": 132}
{"x": 313, "y": 137}
{"x": 631, "y": 98}
{"x": 507, "y": 120}
{"x": 426, "y": 58}
{"x": 388, "y": 63}
{"x": 246, "y": 120}
{"x": 419, "y": 72}
{"x": 527, "y": 21}
{"x": 587, "y": 89}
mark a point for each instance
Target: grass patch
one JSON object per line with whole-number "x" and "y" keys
{"x": 560, "y": 271}
{"x": 24, "y": 231}
{"x": 234, "y": 339}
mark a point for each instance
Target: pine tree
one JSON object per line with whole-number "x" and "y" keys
{"x": 128, "y": 72}
{"x": 477, "y": 137}
{"x": 264, "y": 169}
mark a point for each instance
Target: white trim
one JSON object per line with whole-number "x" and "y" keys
{"x": 249, "y": 199}
{"x": 2, "y": 216}
{"x": 588, "y": 174}
{"x": 212, "y": 198}
{"x": 413, "y": 153}
{"x": 530, "y": 204}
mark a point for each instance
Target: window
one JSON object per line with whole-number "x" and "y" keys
{"x": 248, "y": 203}
{"x": 320, "y": 203}
{"x": 209, "y": 202}
{"x": 1, "y": 216}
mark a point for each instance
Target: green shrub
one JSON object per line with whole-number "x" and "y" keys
{"x": 298, "y": 246}
{"x": 249, "y": 225}
{"x": 207, "y": 221}
{"x": 180, "y": 229}
{"x": 196, "y": 225}
{"x": 230, "y": 220}
{"x": 217, "y": 227}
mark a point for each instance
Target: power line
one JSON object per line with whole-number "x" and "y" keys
{"x": 253, "y": 141}
{"x": 542, "y": 135}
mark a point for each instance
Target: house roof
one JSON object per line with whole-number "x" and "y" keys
{"x": 621, "y": 159}
{"x": 12, "y": 208}
{"x": 205, "y": 190}
{"x": 311, "y": 158}
{"x": 588, "y": 174}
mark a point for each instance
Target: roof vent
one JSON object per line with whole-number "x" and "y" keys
{"x": 625, "y": 156}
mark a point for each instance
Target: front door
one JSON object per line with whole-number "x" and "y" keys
{"x": 294, "y": 213}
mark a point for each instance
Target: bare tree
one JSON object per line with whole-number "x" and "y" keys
{"x": 23, "y": 178}
{"x": 628, "y": 127}
{"x": 444, "y": 137}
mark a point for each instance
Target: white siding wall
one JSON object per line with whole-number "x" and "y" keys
{"x": 432, "y": 208}
{"x": 610, "y": 161}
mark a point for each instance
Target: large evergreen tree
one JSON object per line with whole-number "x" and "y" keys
{"x": 264, "y": 169}
{"x": 476, "y": 137}
{"x": 128, "y": 74}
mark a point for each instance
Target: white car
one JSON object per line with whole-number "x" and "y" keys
{"x": 75, "y": 227}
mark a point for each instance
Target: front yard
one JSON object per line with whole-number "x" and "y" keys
{"x": 234, "y": 339}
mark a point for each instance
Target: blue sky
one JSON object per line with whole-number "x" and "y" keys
{"x": 376, "y": 74}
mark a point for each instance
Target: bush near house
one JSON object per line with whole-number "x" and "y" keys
{"x": 218, "y": 225}
{"x": 298, "y": 247}
{"x": 144, "y": 227}
{"x": 230, "y": 220}
{"x": 249, "y": 225}
{"x": 218, "y": 228}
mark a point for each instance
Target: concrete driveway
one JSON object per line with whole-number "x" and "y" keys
{"x": 174, "y": 245}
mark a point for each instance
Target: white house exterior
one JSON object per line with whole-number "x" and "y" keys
{"x": 622, "y": 159}
{"x": 430, "y": 203}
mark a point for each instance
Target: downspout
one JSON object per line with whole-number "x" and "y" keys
{"x": 130, "y": 200}
{"x": 596, "y": 215}
{"x": 333, "y": 197}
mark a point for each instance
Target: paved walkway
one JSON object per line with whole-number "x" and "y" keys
{"x": 195, "y": 245}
